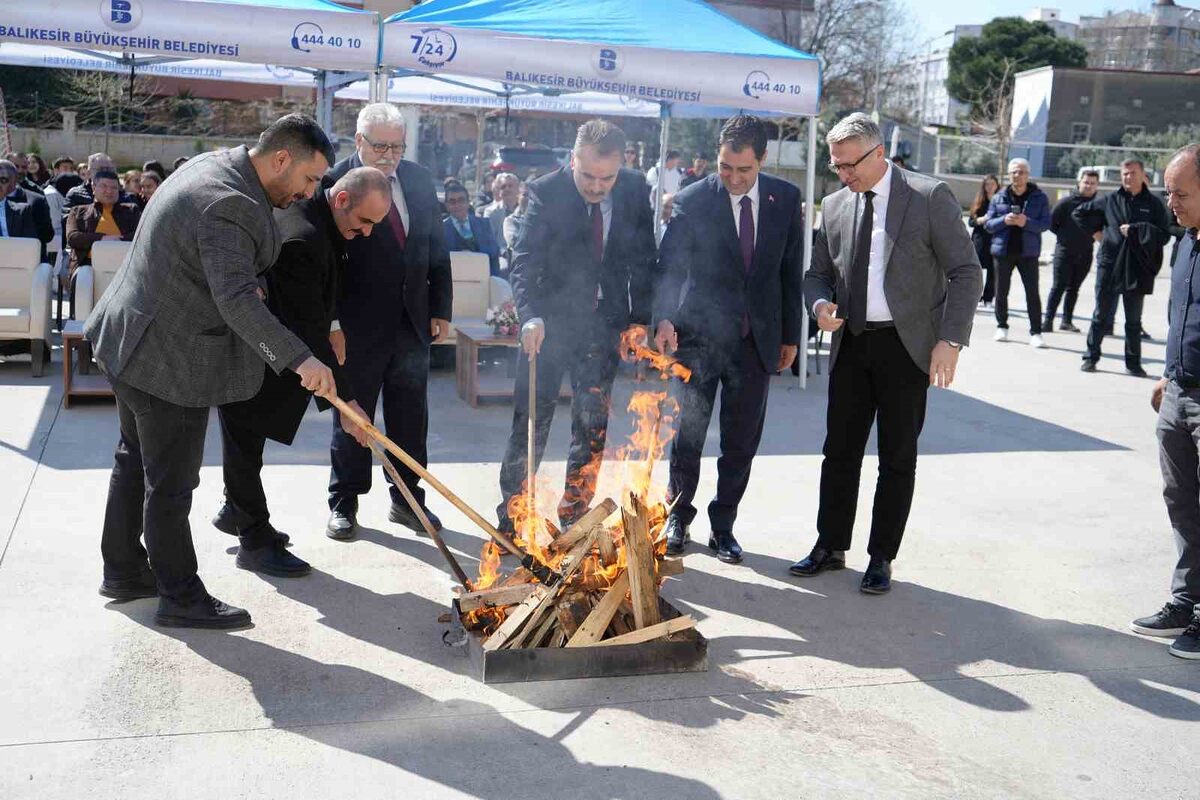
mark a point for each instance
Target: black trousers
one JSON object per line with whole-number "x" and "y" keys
{"x": 1070, "y": 270}
{"x": 874, "y": 379}
{"x": 590, "y": 358}
{"x": 1102, "y": 320}
{"x": 400, "y": 373}
{"x": 1028, "y": 268}
{"x": 744, "y": 385}
{"x": 983, "y": 249}
{"x": 241, "y": 467}
{"x": 155, "y": 471}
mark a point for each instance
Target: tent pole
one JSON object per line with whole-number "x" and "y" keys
{"x": 324, "y": 103}
{"x": 810, "y": 189}
{"x": 480, "y": 122}
{"x": 663, "y": 139}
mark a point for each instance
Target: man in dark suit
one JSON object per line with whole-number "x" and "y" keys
{"x": 893, "y": 250}
{"x": 26, "y": 215}
{"x": 464, "y": 230}
{"x": 395, "y": 302}
{"x": 181, "y": 329}
{"x": 581, "y": 274}
{"x": 301, "y": 289}
{"x": 728, "y": 300}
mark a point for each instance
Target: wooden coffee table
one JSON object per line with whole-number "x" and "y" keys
{"x": 78, "y": 379}
{"x": 473, "y": 386}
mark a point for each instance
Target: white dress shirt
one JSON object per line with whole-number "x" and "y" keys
{"x": 735, "y": 201}
{"x": 877, "y": 305}
{"x": 4, "y": 217}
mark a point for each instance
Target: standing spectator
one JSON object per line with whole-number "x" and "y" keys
{"x": 148, "y": 185}
{"x": 664, "y": 214}
{"x": 736, "y": 241}
{"x": 581, "y": 275}
{"x": 632, "y": 160}
{"x": 395, "y": 302}
{"x": 24, "y": 182}
{"x": 1176, "y": 398}
{"x": 1072, "y": 253}
{"x": 515, "y": 221}
{"x": 65, "y": 177}
{"x": 507, "y": 189}
{"x": 697, "y": 172}
{"x": 464, "y": 230}
{"x": 157, "y": 168}
{"x": 37, "y": 170}
{"x": 981, "y": 239}
{"x": 82, "y": 195}
{"x": 104, "y": 220}
{"x": 671, "y": 176}
{"x": 1016, "y": 218}
{"x": 483, "y": 195}
{"x": 56, "y": 206}
{"x": 177, "y": 163}
{"x": 26, "y": 214}
{"x": 1134, "y": 222}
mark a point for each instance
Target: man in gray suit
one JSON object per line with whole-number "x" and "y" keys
{"x": 893, "y": 251}
{"x": 182, "y": 328}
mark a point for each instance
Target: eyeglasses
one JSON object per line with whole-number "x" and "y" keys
{"x": 839, "y": 168}
{"x": 382, "y": 148}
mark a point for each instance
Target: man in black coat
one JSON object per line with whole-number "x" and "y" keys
{"x": 301, "y": 290}
{"x": 581, "y": 274}
{"x": 1135, "y": 225}
{"x": 1072, "y": 252}
{"x": 395, "y": 302}
{"x": 729, "y": 300}
{"x": 26, "y": 214}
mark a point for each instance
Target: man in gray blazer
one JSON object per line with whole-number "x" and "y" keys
{"x": 895, "y": 278}
{"x": 183, "y": 327}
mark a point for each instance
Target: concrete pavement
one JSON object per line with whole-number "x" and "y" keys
{"x": 1000, "y": 666}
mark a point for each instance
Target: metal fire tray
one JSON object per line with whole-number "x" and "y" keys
{"x": 686, "y": 651}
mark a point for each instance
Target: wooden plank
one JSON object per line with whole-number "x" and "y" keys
{"x": 569, "y": 566}
{"x": 517, "y": 618}
{"x": 652, "y": 632}
{"x": 526, "y": 637}
{"x": 597, "y": 622}
{"x": 572, "y": 610}
{"x": 583, "y": 527}
{"x": 670, "y": 567}
{"x": 495, "y": 596}
{"x": 607, "y": 547}
{"x": 639, "y": 552}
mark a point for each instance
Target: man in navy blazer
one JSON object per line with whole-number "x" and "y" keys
{"x": 729, "y": 301}
{"x": 464, "y": 230}
{"x": 581, "y": 274}
{"x": 395, "y": 302}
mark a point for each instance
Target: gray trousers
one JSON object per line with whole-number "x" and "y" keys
{"x": 1179, "y": 457}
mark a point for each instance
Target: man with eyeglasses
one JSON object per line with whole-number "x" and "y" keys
{"x": 464, "y": 230}
{"x": 895, "y": 278}
{"x": 24, "y": 215}
{"x": 395, "y": 302}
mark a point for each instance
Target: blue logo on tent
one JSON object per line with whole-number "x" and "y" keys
{"x": 608, "y": 60}
{"x": 434, "y": 47}
{"x": 757, "y": 82}
{"x": 121, "y": 15}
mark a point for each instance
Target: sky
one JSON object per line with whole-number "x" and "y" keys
{"x": 935, "y": 16}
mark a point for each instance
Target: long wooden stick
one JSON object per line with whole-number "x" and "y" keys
{"x": 530, "y": 445}
{"x": 455, "y": 567}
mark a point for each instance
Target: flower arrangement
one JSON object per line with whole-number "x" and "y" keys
{"x": 503, "y": 319}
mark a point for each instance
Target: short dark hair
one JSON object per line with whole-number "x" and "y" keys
{"x": 155, "y": 166}
{"x": 1090, "y": 173}
{"x": 673, "y": 154}
{"x": 179, "y": 162}
{"x": 602, "y": 135}
{"x": 300, "y": 135}
{"x": 63, "y": 160}
{"x": 1129, "y": 162}
{"x": 744, "y": 131}
{"x": 152, "y": 175}
{"x": 361, "y": 181}
{"x": 106, "y": 174}
{"x": 454, "y": 187}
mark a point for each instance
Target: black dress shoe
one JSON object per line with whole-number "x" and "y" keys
{"x": 401, "y": 514}
{"x": 272, "y": 559}
{"x": 208, "y": 612}
{"x": 1136, "y": 372}
{"x": 342, "y": 525}
{"x": 678, "y": 535}
{"x": 1087, "y": 366}
{"x": 1068, "y": 326}
{"x": 225, "y": 523}
{"x": 818, "y": 561}
{"x": 128, "y": 589}
{"x": 878, "y": 577}
{"x": 727, "y": 547}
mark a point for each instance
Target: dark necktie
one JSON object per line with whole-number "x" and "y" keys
{"x": 395, "y": 222}
{"x": 597, "y": 232}
{"x": 746, "y": 233}
{"x": 860, "y": 267}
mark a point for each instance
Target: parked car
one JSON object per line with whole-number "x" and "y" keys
{"x": 1112, "y": 174}
{"x": 523, "y": 160}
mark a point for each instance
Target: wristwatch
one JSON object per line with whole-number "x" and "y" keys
{"x": 955, "y": 345}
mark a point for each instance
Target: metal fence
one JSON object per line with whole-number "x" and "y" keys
{"x": 969, "y": 155}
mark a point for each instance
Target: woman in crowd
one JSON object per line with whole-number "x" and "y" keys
{"x": 148, "y": 185}
{"x": 981, "y": 238}
{"x": 38, "y": 171}
{"x": 131, "y": 182}
{"x": 157, "y": 168}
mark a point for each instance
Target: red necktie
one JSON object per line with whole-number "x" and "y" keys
{"x": 397, "y": 224}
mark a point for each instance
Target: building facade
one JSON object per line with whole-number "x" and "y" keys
{"x": 1164, "y": 39}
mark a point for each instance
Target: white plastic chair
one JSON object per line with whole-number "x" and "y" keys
{"x": 92, "y": 279}
{"x": 25, "y": 297}
{"x": 472, "y": 289}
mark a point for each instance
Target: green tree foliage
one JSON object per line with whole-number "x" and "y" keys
{"x": 982, "y": 68}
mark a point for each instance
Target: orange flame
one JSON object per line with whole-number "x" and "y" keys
{"x": 667, "y": 366}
